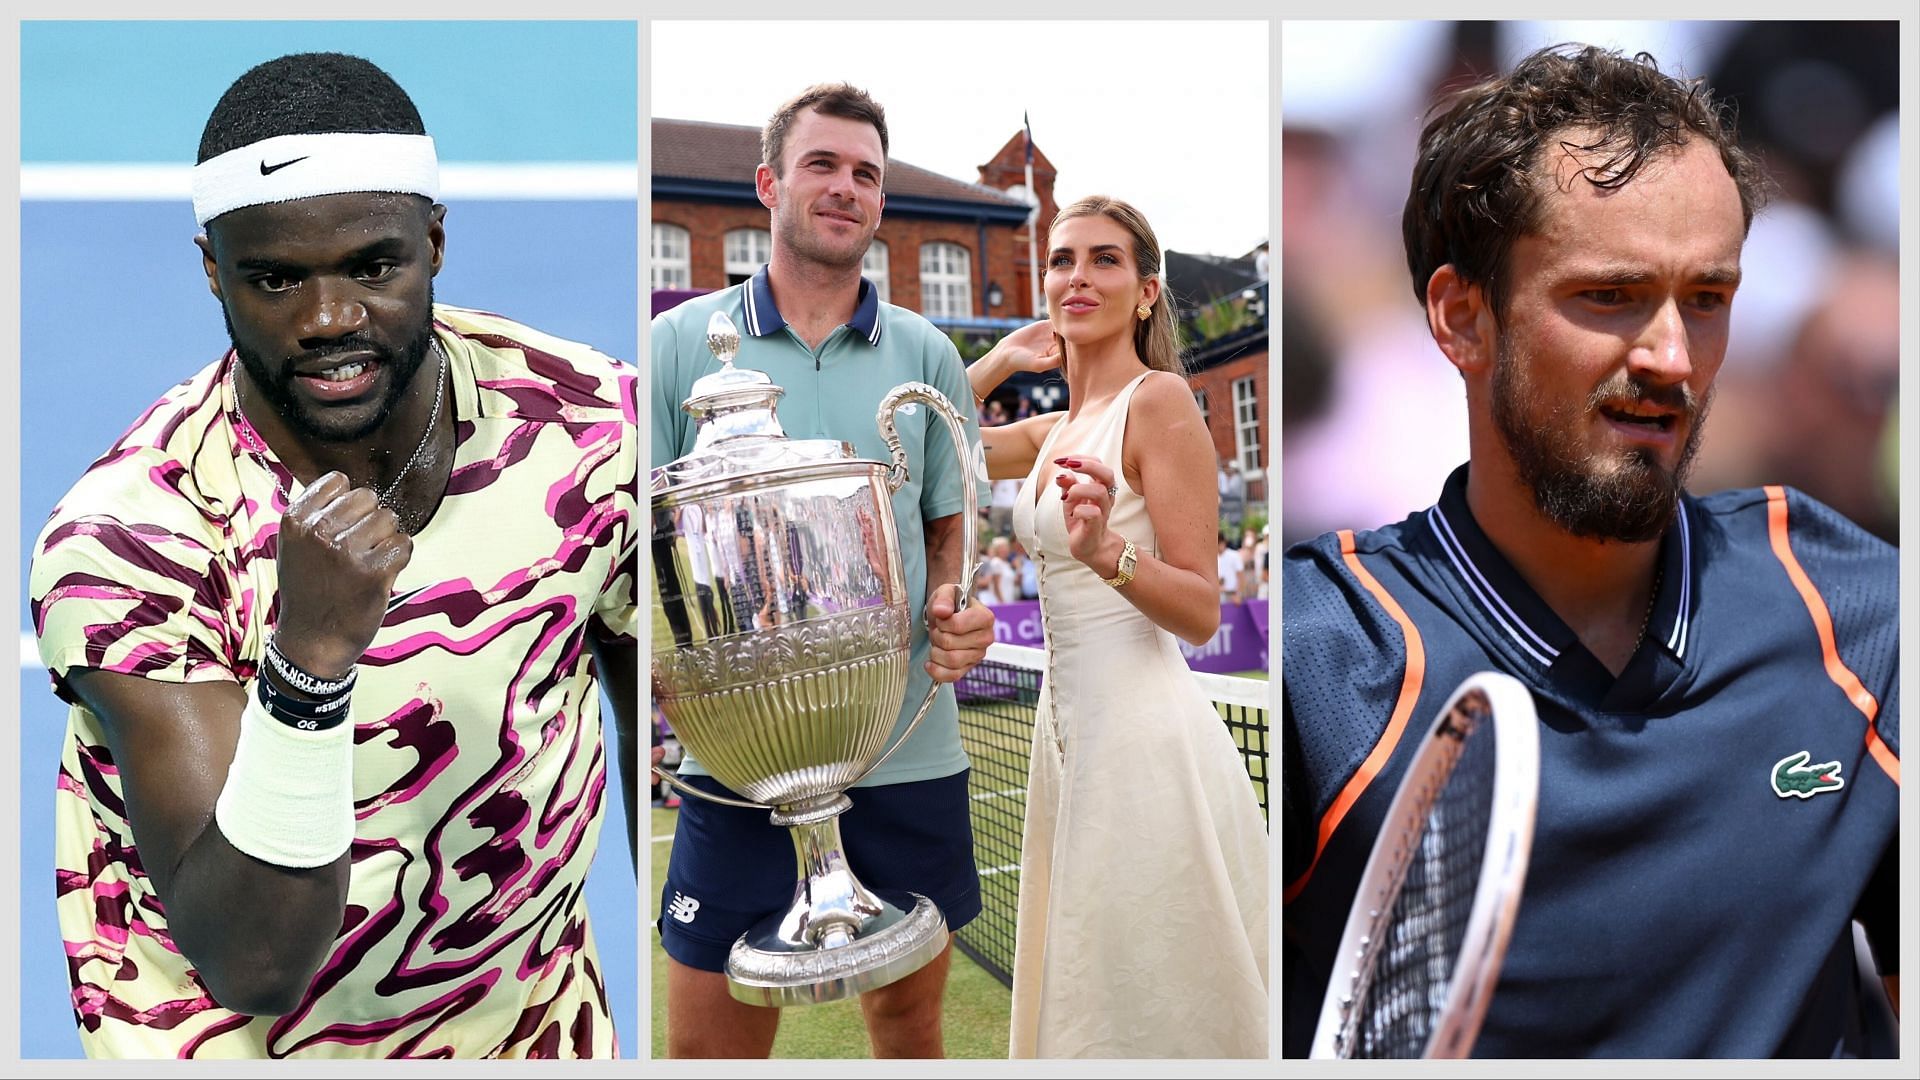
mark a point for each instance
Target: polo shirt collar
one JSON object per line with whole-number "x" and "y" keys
{"x": 763, "y": 315}
{"x": 1519, "y": 613}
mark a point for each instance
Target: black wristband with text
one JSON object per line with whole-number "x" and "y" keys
{"x": 303, "y": 680}
{"x": 318, "y": 714}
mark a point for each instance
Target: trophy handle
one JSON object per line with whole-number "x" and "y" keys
{"x": 897, "y": 471}
{"x": 969, "y": 514}
{"x": 685, "y": 788}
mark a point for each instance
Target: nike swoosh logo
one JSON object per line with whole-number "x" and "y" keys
{"x": 269, "y": 170}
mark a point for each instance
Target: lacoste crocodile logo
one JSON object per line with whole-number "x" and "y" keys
{"x": 1793, "y": 776}
{"x": 269, "y": 170}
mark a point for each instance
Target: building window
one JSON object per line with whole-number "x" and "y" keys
{"x": 1200, "y": 399}
{"x": 747, "y": 251}
{"x": 1246, "y": 426}
{"x": 946, "y": 281}
{"x": 671, "y": 266}
{"x": 875, "y": 269}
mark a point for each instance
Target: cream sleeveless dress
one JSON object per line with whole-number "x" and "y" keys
{"x": 1143, "y": 878}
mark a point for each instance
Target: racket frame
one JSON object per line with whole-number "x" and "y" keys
{"x": 1506, "y": 702}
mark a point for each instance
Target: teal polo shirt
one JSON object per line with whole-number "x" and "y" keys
{"x": 834, "y": 393}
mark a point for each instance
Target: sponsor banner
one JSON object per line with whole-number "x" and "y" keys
{"x": 1257, "y": 610}
{"x": 1239, "y": 645}
{"x": 1236, "y": 646}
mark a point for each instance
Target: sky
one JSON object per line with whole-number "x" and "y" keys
{"x": 1174, "y": 117}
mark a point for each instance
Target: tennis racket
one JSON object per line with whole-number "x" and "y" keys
{"x": 1429, "y": 926}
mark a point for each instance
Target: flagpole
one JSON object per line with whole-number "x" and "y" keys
{"x": 1033, "y": 224}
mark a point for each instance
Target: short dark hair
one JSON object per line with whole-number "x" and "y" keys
{"x": 308, "y": 93}
{"x": 1475, "y": 185}
{"x": 844, "y": 100}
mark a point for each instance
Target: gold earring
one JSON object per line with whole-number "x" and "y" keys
{"x": 1144, "y": 312}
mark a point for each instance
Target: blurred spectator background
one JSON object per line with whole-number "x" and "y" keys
{"x": 1373, "y": 418}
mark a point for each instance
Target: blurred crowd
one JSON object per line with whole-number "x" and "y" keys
{"x": 1373, "y": 418}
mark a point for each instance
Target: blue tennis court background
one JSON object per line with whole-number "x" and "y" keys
{"x": 115, "y": 308}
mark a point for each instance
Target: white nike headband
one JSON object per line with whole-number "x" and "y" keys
{"x": 287, "y": 167}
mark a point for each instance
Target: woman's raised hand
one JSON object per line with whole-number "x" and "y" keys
{"x": 1087, "y": 490}
{"x": 1031, "y": 348}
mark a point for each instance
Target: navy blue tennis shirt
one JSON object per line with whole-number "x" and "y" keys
{"x": 1709, "y": 822}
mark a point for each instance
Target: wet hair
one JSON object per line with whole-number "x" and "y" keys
{"x": 843, "y": 100}
{"x": 304, "y": 94}
{"x": 1478, "y": 182}
{"x": 1153, "y": 337}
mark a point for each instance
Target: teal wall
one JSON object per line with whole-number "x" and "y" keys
{"x": 139, "y": 92}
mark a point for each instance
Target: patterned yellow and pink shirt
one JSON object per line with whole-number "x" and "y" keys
{"x": 480, "y": 762}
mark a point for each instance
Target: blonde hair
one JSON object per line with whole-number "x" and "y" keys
{"x": 1153, "y": 337}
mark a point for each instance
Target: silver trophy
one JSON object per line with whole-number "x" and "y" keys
{"x": 780, "y": 652}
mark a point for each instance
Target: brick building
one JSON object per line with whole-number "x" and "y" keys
{"x": 1232, "y": 395}
{"x": 1223, "y": 323}
{"x": 957, "y": 253}
{"x": 945, "y": 248}
{"x": 1007, "y": 171}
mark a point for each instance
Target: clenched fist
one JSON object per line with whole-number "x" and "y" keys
{"x": 340, "y": 551}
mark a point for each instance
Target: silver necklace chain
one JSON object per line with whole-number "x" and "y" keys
{"x": 385, "y": 495}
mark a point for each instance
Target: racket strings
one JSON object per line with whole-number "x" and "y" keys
{"x": 1414, "y": 966}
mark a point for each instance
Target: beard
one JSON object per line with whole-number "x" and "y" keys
{"x": 797, "y": 237}
{"x": 1624, "y": 496}
{"x": 275, "y": 382}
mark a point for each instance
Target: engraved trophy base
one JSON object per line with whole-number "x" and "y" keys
{"x": 838, "y": 938}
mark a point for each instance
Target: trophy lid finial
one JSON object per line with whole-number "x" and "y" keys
{"x": 723, "y": 338}
{"x": 737, "y": 431}
{"x": 734, "y": 400}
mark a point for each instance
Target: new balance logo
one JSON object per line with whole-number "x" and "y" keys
{"x": 1792, "y": 776}
{"x": 683, "y": 908}
{"x": 269, "y": 170}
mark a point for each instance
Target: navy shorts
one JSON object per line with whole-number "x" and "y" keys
{"x": 731, "y": 867}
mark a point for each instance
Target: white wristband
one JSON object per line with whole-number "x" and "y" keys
{"x": 288, "y": 798}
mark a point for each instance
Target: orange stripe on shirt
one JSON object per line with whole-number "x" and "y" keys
{"x": 1410, "y": 680}
{"x": 1837, "y": 669}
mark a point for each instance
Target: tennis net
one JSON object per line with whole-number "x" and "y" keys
{"x": 996, "y": 725}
